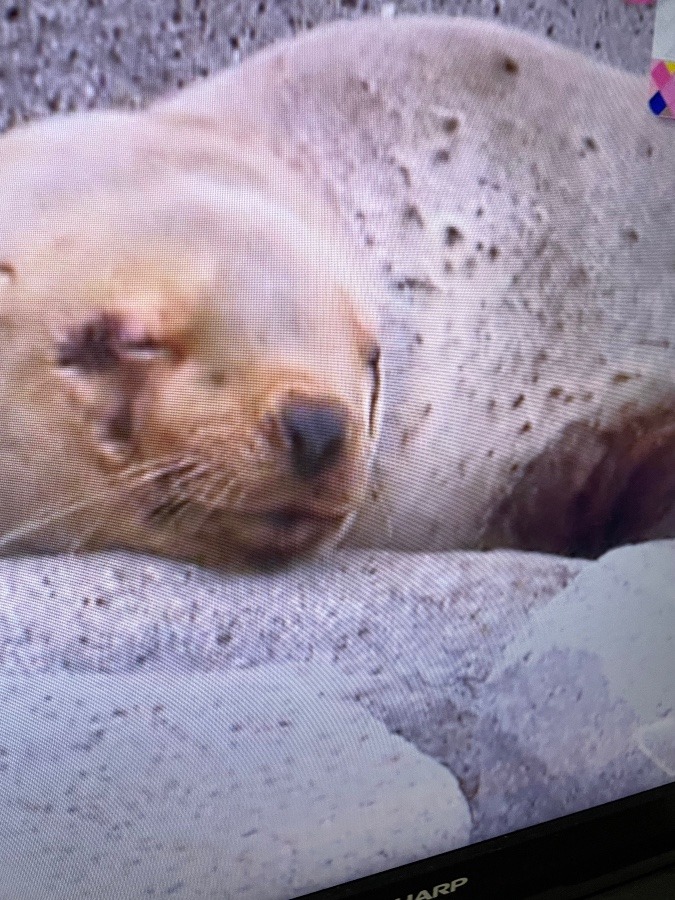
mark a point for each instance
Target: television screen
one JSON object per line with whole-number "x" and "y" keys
{"x": 337, "y": 449}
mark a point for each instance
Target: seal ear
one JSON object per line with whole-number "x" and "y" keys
{"x": 107, "y": 358}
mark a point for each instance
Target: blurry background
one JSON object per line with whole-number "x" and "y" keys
{"x": 59, "y": 55}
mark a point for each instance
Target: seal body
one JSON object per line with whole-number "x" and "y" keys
{"x": 320, "y": 298}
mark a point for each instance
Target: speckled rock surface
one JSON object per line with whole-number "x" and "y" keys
{"x": 586, "y": 692}
{"x": 69, "y": 54}
{"x": 258, "y": 784}
{"x": 172, "y": 730}
{"x": 159, "y": 719}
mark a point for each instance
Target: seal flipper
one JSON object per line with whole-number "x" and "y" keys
{"x": 594, "y": 488}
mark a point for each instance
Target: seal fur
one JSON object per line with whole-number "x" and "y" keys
{"x": 462, "y": 266}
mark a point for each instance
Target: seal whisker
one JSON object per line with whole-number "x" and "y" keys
{"x": 219, "y": 500}
{"x": 208, "y": 493}
{"x": 212, "y": 501}
{"x": 33, "y": 526}
{"x": 166, "y": 510}
{"x": 179, "y": 491}
{"x": 191, "y": 477}
{"x": 81, "y": 541}
{"x": 150, "y": 471}
{"x": 147, "y": 464}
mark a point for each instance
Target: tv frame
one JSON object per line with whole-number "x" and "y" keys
{"x": 570, "y": 857}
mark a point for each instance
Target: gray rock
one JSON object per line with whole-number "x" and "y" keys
{"x": 167, "y": 729}
{"x": 543, "y": 685}
{"x": 579, "y": 711}
{"x": 253, "y": 783}
{"x": 378, "y": 613}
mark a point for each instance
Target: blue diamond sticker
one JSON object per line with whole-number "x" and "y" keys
{"x": 657, "y": 104}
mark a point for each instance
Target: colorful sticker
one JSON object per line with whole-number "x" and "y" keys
{"x": 662, "y": 101}
{"x": 662, "y": 95}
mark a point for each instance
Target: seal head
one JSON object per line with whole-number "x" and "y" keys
{"x": 208, "y": 363}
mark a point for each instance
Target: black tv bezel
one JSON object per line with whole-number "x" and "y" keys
{"x": 561, "y": 859}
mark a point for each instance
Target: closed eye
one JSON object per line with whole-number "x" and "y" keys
{"x": 374, "y": 366}
{"x": 104, "y": 342}
{"x": 143, "y": 348}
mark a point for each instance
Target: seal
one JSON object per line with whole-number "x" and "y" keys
{"x": 321, "y": 299}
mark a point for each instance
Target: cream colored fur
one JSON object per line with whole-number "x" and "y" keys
{"x": 498, "y": 212}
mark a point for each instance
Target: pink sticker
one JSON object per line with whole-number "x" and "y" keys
{"x": 660, "y": 73}
{"x": 662, "y": 100}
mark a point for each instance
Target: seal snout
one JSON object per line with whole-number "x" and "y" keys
{"x": 315, "y": 432}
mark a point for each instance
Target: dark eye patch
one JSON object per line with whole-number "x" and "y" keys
{"x": 93, "y": 346}
{"x": 100, "y": 344}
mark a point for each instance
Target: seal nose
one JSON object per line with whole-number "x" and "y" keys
{"x": 316, "y": 434}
